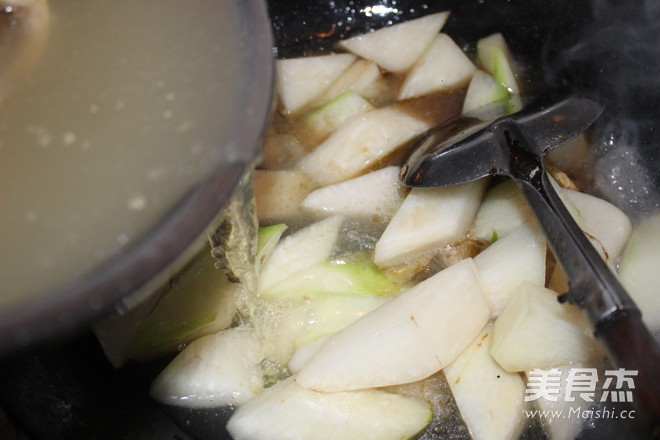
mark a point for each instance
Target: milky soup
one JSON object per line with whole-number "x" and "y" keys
{"x": 125, "y": 107}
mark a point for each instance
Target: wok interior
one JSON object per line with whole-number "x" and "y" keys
{"x": 602, "y": 48}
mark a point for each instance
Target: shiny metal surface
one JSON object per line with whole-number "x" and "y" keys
{"x": 121, "y": 141}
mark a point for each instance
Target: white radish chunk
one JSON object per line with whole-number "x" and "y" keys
{"x": 410, "y": 338}
{"x": 491, "y": 401}
{"x": 568, "y": 203}
{"x": 443, "y": 66}
{"x": 376, "y": 194}
{"x": 278, "y": 194}
{"x": 605, "y": 226}
{"x": 215, "y": 370}
{"x": 536, "y": 331}
{"x": 428, "y": 218}
{"x": 317, "y": 125}
{"x": 494, "y": 56}
{"x": 300, "y": 80}
{"x": 396, "y": 48}
{"x": 602, "y": 221}
{"x": 577, "y": 215}
{"x": 362, "y": 77}
{"x": 360, "y": 143}
{"x": 640, "y": 270}
{"x": 300, "y": 251}
{"x": 503, "y": 209}
{"x": 503, "y": 266}
{"x": 287, "y": 411}
{"x": 304, "y": 354}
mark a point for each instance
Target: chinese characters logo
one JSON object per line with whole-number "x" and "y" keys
{"x": 580, "y": 383}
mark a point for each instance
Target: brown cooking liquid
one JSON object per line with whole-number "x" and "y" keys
{"x": 128, "y": 106}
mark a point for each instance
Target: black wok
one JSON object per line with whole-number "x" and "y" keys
{"x": 609, "y": 48}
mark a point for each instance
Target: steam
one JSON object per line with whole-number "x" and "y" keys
{"x": 621, "y": 44}
{"x": 618, "y": 57}
{"x": 622, "y": 173}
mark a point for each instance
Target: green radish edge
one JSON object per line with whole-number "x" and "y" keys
{"x": 361, "y": 275}
{"x": 269, "y": 235}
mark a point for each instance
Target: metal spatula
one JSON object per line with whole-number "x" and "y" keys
{"x": 514, "y": 146}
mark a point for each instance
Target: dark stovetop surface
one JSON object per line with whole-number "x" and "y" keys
{"x": 72, "y": 392}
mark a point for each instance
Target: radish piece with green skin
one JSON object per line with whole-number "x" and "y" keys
{"x": 483, "y": 89}
{"x": 300, "y": 251}
{"x": 491, "y": 400}
{"x": 319, "y": 317}
{"x": 442, "y": 66}
{"x": 362, "y": 77}
{"x": 535, "y": 331}
{"x": 427, "y": 219}
{"x": 360, "y": 144}
{"x": 333, "y": 277}
{"x": 300, "y": 80}
{"x": 216, "y": 370}
{"x": 602, "y": 220}
{"x": 495, "y": 58}
{"x": 518, "y": 257}
{"x": 410, "y": 338}
{"x": 287, "y": 411}
{"x": 639, "y": 270}
{"x": 375, "y": 194}
{"x": 267, "y": 239}
{"x": 298, "y": 322}
{"x": 317, "y": 125}
{"x": 503, "y": 209}
{"x": 396, "y": 48}
{"x": 200, "y": 302}
{"x": 487, "y": 99}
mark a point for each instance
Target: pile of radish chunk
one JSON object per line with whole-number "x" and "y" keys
{"x": 381, "y": 312}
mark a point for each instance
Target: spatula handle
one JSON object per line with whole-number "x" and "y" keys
{"x": 596, "y": 290}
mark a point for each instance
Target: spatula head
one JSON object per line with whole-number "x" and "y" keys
{"x": 449, "y": 155}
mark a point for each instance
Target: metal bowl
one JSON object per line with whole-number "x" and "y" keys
{"x": 125, "y": 128}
